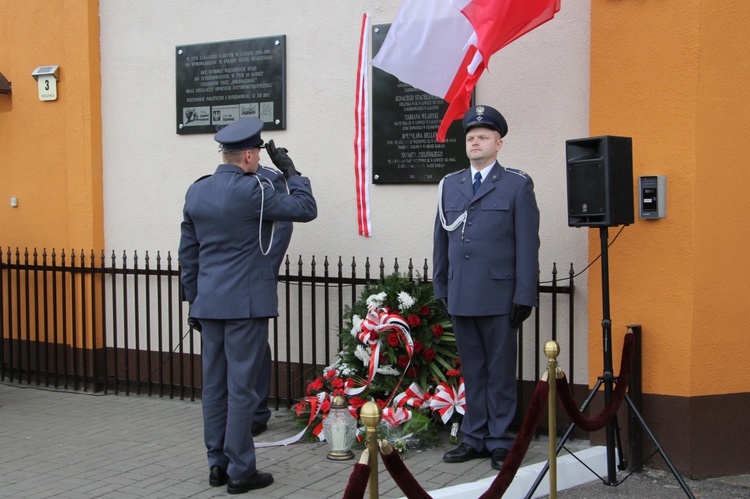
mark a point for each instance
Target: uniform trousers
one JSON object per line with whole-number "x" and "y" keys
{"x": 487, "y": 347}
{"x": 263, "y": 413}
{"x": 231, "y": 355}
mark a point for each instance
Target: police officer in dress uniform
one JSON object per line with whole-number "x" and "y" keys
{"x": 230, "y": 282}
{"x": 485, "y": 272}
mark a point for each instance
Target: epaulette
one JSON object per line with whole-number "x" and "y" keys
{"x": 520, "y": 173}
{"x": 204, "y": 176}
{"x": 271, "y": 170}
{"x": 456, "y": 172}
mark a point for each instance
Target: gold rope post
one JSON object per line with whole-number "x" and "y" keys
{"x": 552, "y": 350}
{"x": 370, "y": 414}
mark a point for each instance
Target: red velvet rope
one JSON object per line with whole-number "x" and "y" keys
{"x": 411, "y": 488}
{"x": 530, "y": 422}
{"x": 403, "y": 477}
{"x": 623, "y": 380}
{"x": 355, "y": 489}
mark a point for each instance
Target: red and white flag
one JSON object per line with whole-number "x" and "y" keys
{"x": 442, "y": 47}
{"x": 362, "y": 134}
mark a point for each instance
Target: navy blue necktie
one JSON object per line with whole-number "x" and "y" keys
{"x": 477, "y": 181}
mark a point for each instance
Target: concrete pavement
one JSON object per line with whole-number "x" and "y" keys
{"x": 81, "y": 445}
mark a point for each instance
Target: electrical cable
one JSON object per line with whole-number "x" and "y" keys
{"x": 590, "y": 263}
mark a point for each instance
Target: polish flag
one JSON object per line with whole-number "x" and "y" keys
{"x": 361, "y": 134}
{"x": 442, "y": 47}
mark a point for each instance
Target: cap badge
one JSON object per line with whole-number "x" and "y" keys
{"x": 480, "y": 109}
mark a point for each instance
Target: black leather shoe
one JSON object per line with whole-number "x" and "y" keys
{"x": 217, "y": 477}
{"x": 498, "y": 456}
{"x": 463, "y": 453}
{"x": 258, "y": 428}
{"x": 255, "y": 481}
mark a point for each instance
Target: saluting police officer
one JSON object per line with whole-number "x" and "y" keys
{"x": 230, "y": 283}
{"x": 485, "y": 272}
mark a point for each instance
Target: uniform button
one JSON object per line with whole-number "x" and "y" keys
{"x": 466, "y": 257}
{"x": 469, "y": 223}
{"x": 467, "y": 241}
{"x": 472, "y": 207}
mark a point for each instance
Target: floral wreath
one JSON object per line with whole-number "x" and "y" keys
{"x": 398, "y": 350}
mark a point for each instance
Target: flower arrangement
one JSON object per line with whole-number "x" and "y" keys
{"x": 398, "y": 350}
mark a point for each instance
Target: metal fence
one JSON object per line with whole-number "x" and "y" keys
{"x": 110, "y": 323}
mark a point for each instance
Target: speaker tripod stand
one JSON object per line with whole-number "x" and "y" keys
{"x": 612, "y": 429}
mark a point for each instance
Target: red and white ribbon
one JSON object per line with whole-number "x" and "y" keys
{"x": 396, "y": 416}
{"x": 376, "y": 321}
{"x": 447, "y": 400}
{"x": 411, "y": 396}
{"x": 316, "y": 403}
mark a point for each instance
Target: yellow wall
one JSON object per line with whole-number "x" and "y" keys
{"x": 51, "y": 152}
{"x": 673, "y": 75}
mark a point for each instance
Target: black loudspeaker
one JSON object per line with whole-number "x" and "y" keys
{"x": 600, "y": 181}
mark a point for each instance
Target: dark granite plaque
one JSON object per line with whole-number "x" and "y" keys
{"x": 405, "y": 121}
{"x": 218, "y": 83}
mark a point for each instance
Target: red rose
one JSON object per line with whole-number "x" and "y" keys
{"x": 424, "y": 310}
{"x": 392, "y": 339}
{"x": 300, "y": 408}
{"x": 356, "y": 402}
{"x": 316, "y": 385}
{"x": 453, "y": 373}
{"x": 402, "y": 361}
{"x": 337, "y": 383}
{"x": 412, "y": 372}
{"x": 383, "y": 358}
{"x": 414, "y": 320}
{"x": 417, "y": 346}
{"x": 338, "y": 391}
{"x": 325, "y": 406}
{"x": 429, "y": 354}
{"x": 437, "y": 330}
{"x": 330, "y": 374}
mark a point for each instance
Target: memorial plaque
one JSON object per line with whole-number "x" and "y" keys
{"x": 405, "y": 122}
{"x": 218, "y": 83}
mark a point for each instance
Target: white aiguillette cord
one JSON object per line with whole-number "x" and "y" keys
{"x": 461, "y": 220}
{"x": 260, "y": 223}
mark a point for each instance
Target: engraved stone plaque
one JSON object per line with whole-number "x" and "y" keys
{"x": 218, "y": 83}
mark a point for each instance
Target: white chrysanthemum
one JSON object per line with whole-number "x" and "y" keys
{"x": 388, "y": 370}
{"x": 346, "y": 369}
{"x": 376, "y": 300}
{"x": 363, "y": 353}
{"x": 405, "y": 300}
{"x": 356, "y": 325}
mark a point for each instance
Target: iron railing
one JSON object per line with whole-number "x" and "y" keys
{"x": 116, "y": 324}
